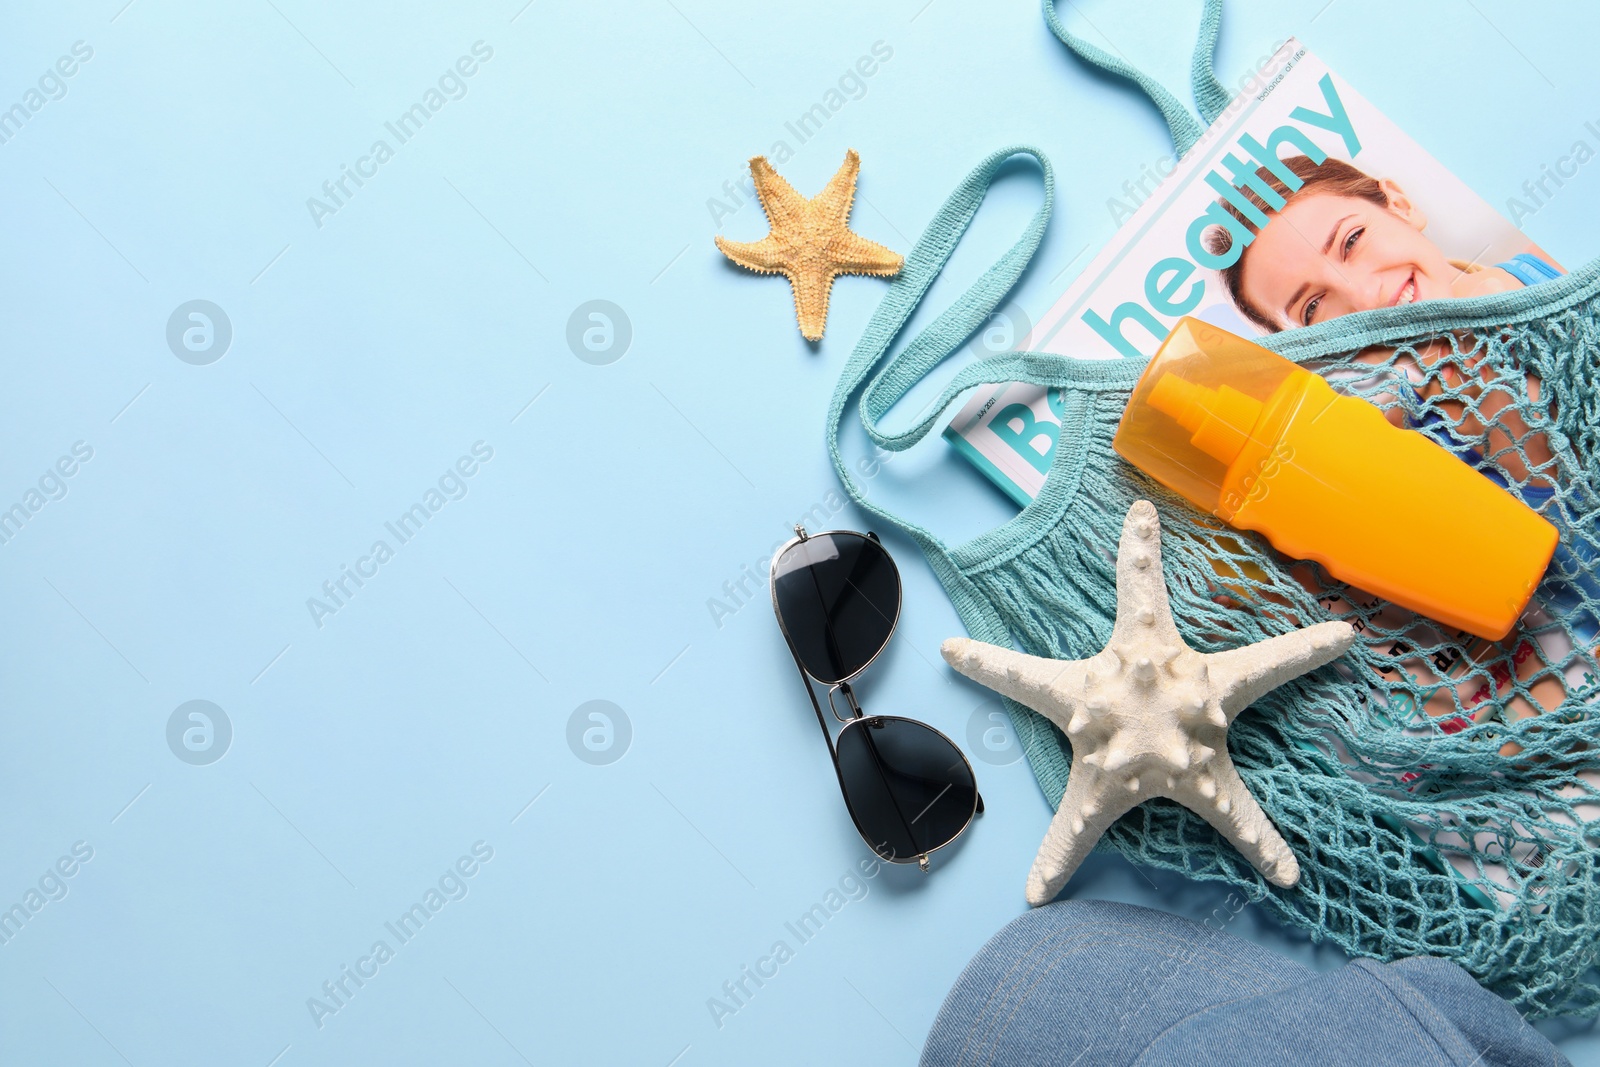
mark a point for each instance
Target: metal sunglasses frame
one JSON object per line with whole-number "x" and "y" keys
{"x": 858, "y": 718}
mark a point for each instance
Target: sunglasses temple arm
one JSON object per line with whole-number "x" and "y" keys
{"x": 805, "y": 680}
{"x": 931, "y": 781}
{"x": 877, "y": 763}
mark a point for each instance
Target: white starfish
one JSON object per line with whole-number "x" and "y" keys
{"x": 1148, "y": 716}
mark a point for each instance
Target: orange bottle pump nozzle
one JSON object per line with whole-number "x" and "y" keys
{"x": 1220, "y": 419}
{"x": 1268, "y": 446}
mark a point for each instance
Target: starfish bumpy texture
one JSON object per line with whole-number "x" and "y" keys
{"x": 1148, "y": 716}
{"x": 811, "y": 242}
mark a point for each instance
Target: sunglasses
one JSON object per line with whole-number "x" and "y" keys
{"x": 908, "y": 788}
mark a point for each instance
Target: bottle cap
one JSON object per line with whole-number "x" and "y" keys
{"x": 1196, "y": 407}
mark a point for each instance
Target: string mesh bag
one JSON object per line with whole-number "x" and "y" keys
{"x": 1441, "y": 792}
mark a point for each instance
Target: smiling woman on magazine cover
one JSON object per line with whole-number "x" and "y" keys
{"x": 1345, "y": 242}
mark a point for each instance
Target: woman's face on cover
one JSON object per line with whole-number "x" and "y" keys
{"x": 1326, "y": 255}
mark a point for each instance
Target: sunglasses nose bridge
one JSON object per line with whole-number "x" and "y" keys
{"x": 849, "y": 699}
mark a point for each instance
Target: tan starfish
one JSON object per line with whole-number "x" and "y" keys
{"x": 811, "y": 242}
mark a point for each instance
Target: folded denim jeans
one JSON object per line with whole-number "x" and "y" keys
{"x": 1097, "y": 983}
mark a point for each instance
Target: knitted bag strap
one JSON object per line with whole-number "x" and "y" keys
{"x": 941, "y": 337}
{"x": 1083, "y": 378}
{"x": 1209, "y": 93}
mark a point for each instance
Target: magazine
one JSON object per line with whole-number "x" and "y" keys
{"x": 1357, "y": 216}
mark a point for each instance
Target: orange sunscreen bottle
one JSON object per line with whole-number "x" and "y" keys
{"x": 1267, "y": 446}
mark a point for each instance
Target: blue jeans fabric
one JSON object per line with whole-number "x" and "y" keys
{"x": 1097, "y": 983}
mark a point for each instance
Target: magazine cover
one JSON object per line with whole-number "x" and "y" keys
{"x": 1301, "y": 203}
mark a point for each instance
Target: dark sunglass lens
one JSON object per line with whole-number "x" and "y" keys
{"x": 838, "y": 597}
{"x": 908, "y": 787}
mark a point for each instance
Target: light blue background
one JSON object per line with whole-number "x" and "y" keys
{"x": 368, "y": 354}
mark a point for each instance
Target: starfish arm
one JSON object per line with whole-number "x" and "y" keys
{"x": 1241, "y": 676}
{"x": 1087, "y": 809}
{"x": 785, "y": 208}
{"x": 833, "y": 203}
{"x": 811, "y": 289}
{"x": 1142, "y": 603}
{"x": 770, "y": 255}
{"x": 1233, "y": 811}
{"x": 1030, "y": 680}
{"x": 850, "y": 253}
